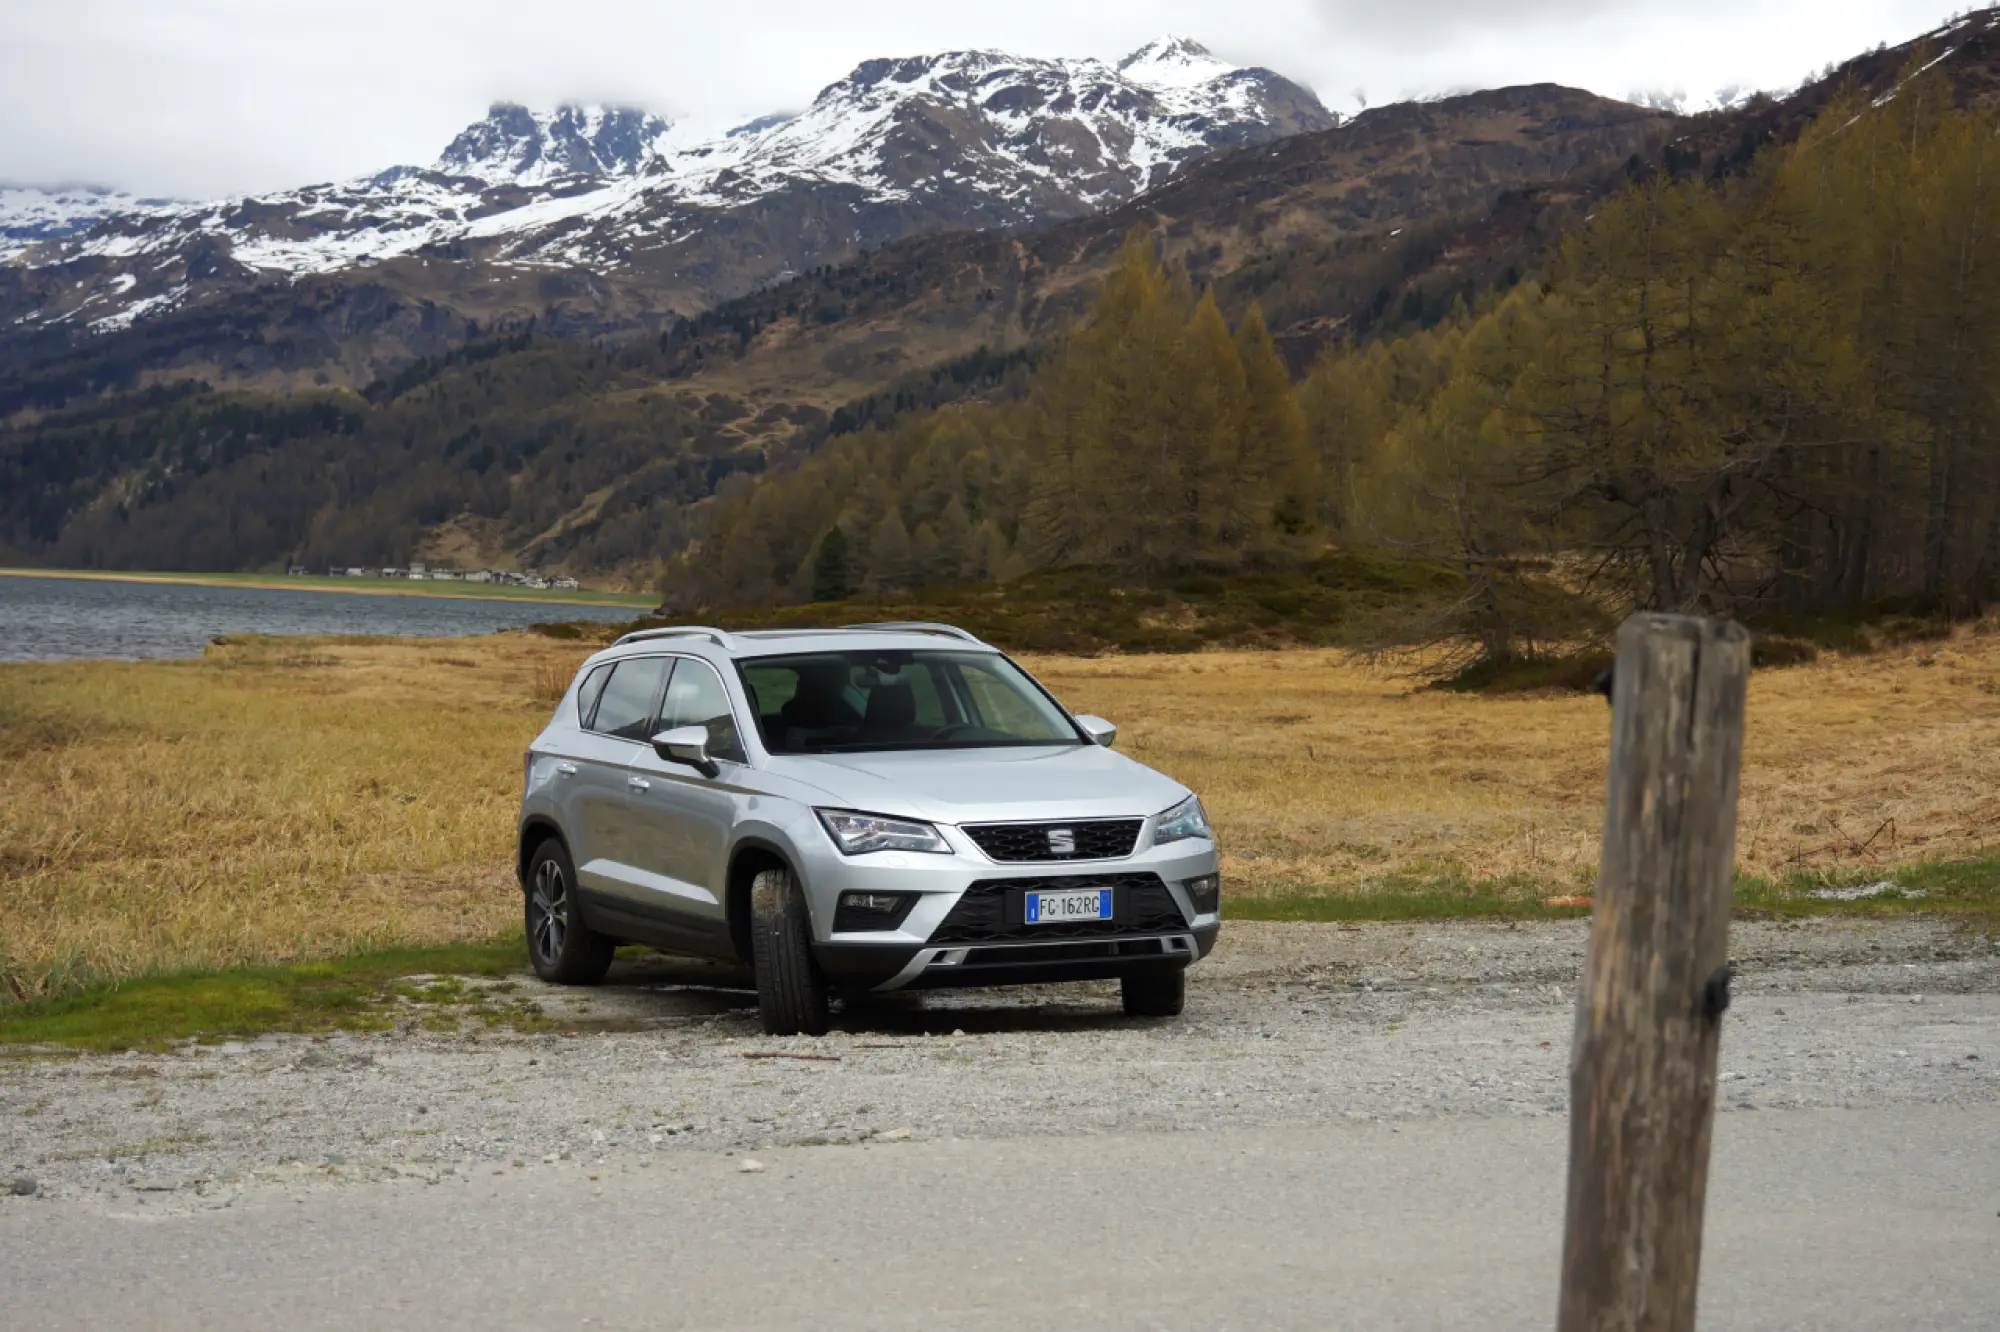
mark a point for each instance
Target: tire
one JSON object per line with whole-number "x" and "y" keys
{"x": 561, "y": 947}
{"x": 1154, "y": 993}
{"x": 791, "y": 992}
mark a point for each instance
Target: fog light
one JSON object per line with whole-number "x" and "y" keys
{"x": 1205, "y": 893}
{"x": 871, "y": 911}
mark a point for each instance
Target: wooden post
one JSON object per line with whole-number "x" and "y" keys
{"x": 1649, "y": 1018}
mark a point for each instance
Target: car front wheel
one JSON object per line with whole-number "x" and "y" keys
{"x": 791, "y": 992}
{"x": 561, "y": 947}
{"x": 1155, "y": 993}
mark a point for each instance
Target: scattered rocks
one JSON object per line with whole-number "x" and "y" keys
{"x": 1285, "y": 1025}
{"x": 747, "y": 1166}
{"x": 23, "y": 1186}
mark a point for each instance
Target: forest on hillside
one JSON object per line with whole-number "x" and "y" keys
{"x": 1776, "y": 391}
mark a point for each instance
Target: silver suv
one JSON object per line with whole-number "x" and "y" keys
{"x": 873, "y": 808}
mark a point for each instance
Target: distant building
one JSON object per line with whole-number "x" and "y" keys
{"x": 358, "y": 573}
{"x": 392, "y": 573}
{"x": 565, "y": 582}
{"x": 479, "y": 576}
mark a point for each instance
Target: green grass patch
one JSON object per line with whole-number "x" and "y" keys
{"x": 366, "y": 992}
{"x": 1443, "y": 904}
{"x": 406, "y": 587}
{"x": 1969, "y": 886}
{"x": 1966, "y": 885}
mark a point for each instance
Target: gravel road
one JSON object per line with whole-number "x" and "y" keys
{"x": 1287, "y": 1025}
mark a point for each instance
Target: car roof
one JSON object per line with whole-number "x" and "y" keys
{"x": 704, "y": 641}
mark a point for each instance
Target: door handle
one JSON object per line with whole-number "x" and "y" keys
{"x": 566, "y": 769}
{"x": 638, "y": 783}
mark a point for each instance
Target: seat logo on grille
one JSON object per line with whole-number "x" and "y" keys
{"x": 1062, "y": 841}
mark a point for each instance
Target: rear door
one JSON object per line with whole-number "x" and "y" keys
{"x": 618, "y": 726}
{"x": 680, "y": 819}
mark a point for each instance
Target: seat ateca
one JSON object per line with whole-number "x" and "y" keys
{"x": 874, "y": 808}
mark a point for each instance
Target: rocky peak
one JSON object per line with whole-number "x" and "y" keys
{"x": 516, "y": 144}
{"x": 1173, "y": 62}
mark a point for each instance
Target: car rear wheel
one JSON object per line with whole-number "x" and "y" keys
{"x": 1154, "y": 993}
{"x": 561, "y": 947}
{"x": 791, "y": 992}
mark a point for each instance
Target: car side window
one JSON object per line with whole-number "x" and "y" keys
{"x": 695, "y": 697}
{"x": 625, "y": 702}
{"x": 586, "y": 697}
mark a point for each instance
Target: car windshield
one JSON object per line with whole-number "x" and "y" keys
{"x": 843, "y": 702}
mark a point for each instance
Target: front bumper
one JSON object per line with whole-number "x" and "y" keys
{"x": 885, "y": 967}
{"x": 939, "y": 881}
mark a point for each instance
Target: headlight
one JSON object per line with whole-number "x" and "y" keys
{"x": 1183, "y": 821}
{"x": 858, "y": 834}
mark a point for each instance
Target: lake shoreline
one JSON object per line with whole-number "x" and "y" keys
{"x": 376, "y": 587}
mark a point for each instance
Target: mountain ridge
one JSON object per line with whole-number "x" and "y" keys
{"x": 619, "y": 195}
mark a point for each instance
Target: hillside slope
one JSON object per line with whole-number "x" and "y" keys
{"x": 1376, "y": 225}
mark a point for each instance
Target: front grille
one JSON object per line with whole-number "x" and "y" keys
{"x": 1087, "y": 839}
{"x": 991, "y": 910}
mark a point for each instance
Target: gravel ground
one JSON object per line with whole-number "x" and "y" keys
{"x": 1287, "y": 1025}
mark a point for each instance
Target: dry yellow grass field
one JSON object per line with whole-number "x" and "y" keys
{"x": 288, "y": 799}
{"x": 1328, "y": 777}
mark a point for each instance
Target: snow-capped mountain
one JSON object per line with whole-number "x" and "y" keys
{"x": 31, "y": 213}
{"x": 1681, "y": 103}
{"x": 898, "y": 147}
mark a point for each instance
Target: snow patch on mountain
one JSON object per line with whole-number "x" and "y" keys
{"x": 32, "y": 213}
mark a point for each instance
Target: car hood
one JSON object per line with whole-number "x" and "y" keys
{"x": 988, "y": 785}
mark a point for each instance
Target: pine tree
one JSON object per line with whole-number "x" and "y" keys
{"x": 829, "y": 576}
{"x": 955, "y": 554}
{"x": 1203, "y": 500}
{"x": 926, "y": 566}
{"x": 1274, "y": 430}
{"x": 889, "y": 562}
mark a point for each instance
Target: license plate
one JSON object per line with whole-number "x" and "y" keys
{"x": 1070, "y": 904}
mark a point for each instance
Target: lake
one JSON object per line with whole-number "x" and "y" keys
{"x": 58, "y": 619}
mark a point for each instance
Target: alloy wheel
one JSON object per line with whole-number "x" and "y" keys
{"x": 548, "y": 902}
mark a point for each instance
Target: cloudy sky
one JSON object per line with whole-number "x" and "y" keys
{"x": 206, "y": 97}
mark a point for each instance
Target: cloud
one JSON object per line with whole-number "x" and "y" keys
{"x": 206, "y": 97}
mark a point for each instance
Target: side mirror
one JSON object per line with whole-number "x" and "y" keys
{"x": 686, "y": 744}
{"x": 1098, "y": 729}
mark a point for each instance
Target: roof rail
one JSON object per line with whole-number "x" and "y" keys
{"x": 920, "y": 627}
{"x": 716, "y": 636}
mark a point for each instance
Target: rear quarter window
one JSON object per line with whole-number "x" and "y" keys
{"x": 587, "y": 695}
{"x": 625, "y": 705}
